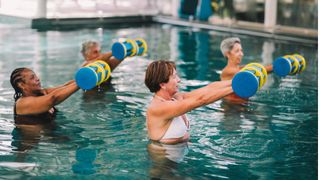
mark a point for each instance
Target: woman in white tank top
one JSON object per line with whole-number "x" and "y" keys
{"x": 166, "y": 119}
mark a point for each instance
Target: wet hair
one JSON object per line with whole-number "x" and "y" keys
{"x": 86, "y": 46}
{"x": 15, "y": 78}
{"x": 158, "y": 72}
{"x": 227, "y": 44}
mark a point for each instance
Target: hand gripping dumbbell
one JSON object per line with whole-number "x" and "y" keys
{"x": 128, "y": 47}
{"x": 93, "y": 75}
{"x": 289, "y": 65}
{"x": 249, "y": 80}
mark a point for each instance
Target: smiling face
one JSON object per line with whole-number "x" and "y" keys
{"x": 93, "y": 53}
{"x": 172, "y": 85}
{"x": 31, "y": 82}
{"x": 236, "y": 54}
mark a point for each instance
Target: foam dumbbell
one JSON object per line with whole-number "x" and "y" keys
{"x": 249, "y": 80}
{"x": 142, "y": 46}
{"x": 289, "y": 65}
{"x": 128, "y": 47}
{"x": 93, "y": 75}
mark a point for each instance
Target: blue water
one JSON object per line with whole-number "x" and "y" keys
{"x": 103, "y": 134}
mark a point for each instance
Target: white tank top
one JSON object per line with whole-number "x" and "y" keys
{"x": 177, "y": 129}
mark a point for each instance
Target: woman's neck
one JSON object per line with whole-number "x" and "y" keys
{"x": 163, "y": 95}
{"x": 232, "y": 63}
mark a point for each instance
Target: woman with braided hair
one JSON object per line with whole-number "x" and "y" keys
{"x": 33, "y": 104}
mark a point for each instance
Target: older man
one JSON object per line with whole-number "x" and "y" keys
{"x": 91, "y": 51}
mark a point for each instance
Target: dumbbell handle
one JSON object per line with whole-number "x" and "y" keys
{"x": 249, "y": 80}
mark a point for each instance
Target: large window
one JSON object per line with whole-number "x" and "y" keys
{"x": 298, "y": 13}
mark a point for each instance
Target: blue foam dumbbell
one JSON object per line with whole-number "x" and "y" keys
{"x": 289, "y": 65}
{"x": 128, "y": 47}
{"x": 92, "y": 75}
{"x": 249, "y": 80}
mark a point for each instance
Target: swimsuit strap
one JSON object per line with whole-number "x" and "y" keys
{"x": 184, "y": 117}
{"x": 186, "y": 121}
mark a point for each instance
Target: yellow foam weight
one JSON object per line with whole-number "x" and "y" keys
{"x": 106, "y": 68}
{"x": 101, "y": 70}
{"x": 144, "y": 45}
{"x": 302, "y": 62}
{"x": 263, "y": 69}
{"x": 134, "y": 47}
{"x": 295, "y": 63}
{"x": 257, "y": 73}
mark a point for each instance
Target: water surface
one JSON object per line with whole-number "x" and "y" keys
{"x": 103, "y": 134}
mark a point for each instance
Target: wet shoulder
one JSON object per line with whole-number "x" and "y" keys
{"x": 228, "y": 73}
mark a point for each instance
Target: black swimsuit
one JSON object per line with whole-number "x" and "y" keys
{"x": 32, "y": 119}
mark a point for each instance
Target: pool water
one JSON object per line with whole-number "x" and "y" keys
{"x": 102, "y": 134}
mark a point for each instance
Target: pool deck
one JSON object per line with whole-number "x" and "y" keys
{"x": 66, "y": 23}
{"x": 307, "y": 36}
{"x": 240, "y": 27}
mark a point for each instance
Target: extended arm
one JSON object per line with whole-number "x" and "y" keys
{"x": 49, "y": 90}
{"x": 269, "y": 68}
{"x": 192, "y": 100}
{"x": 41, "y": 104}
{"x": 108, "y": 58}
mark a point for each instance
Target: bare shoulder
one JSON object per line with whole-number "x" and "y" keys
{"x": 154, "y": 112}
{"x": 24, "y": 101}
{"x": 152, "y": 108}
{"x": 228, "y": 73}
{"x": 19, "y": 101}
{"x": 161, "y": 109}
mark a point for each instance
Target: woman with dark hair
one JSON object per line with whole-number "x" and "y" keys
{"x": 33, "y": 104}
{"x": 166, "y": 119}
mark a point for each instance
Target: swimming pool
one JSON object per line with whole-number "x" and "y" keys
{"x": 103, "y": 135}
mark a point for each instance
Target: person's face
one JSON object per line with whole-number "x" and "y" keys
{"x": 236, "y": 53}
{"x": 172, "y": 85}
{"x": 31, "y": 82}
{"x": 93, "y": 53}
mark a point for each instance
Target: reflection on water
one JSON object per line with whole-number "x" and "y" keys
{"x": 234, "y": 116}
{"x": 26, "y": 137}
{"x": 166, "y": 158}
{"x": 85, "y": 161}
{"x": 90, "y": 98}
{"x": 102, "y": 133}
